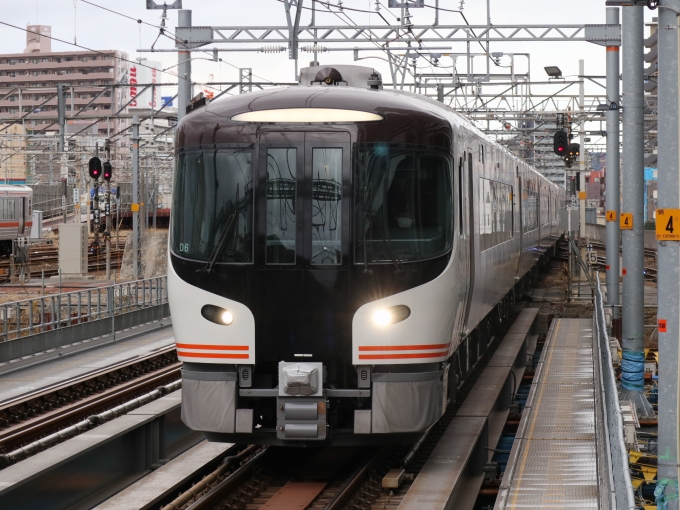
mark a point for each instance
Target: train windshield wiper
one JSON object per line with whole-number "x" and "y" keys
{"x": 398, "y": 267}
{"x": 217, "y": 250}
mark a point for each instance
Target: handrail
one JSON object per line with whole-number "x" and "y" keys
{"x": 57, "y": 311}
{"x": 624, "y": 492}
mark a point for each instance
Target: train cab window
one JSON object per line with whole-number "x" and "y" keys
{"x": 326, "y": 206}
{"x": 404, "y": 204}
{"x": 281, "y": 200}
{"x": 212, "y": 210}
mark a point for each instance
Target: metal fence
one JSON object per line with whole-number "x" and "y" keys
{"x": 52, "y": 312}
{"x": 48, "y": 199}
{"x": 621, "y": 490}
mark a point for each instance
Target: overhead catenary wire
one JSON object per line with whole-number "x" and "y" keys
{"x": 164, "y": 32}
{"x": 98, "y": 52}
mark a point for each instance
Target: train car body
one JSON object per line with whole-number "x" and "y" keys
{"x": 16, "y": 210}
{"x": 332, "y": 246}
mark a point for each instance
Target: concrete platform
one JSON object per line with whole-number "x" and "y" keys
{"x": 148, "y": 492}
{"x": 45, "y": 374}
{"x": 87, "y": 469}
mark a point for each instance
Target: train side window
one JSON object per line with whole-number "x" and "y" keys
{"x": 495, "y": 213}
{"x": 7, "y": 209}
{"x": 530, "y": 203}
{"x": 481, "y": 154}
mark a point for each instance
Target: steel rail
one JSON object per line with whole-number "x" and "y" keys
{"x": 89, "y": 376}
{"x": 61, "y": 416}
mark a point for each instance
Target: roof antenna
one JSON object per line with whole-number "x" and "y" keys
{"x": 462, "y": 5}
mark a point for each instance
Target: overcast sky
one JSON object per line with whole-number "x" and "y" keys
{"x": 98, "y": 29}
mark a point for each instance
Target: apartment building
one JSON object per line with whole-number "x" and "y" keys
{"x": 13, "y": 159}
{"x": 29, "y": 79}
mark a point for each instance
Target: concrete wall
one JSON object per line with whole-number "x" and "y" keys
{"x": 154, "y": 252}
{"x": 598, "y": 233}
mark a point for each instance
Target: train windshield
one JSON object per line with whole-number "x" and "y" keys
{"x": 212, "y": 209}
{"x": 404, "y": 204}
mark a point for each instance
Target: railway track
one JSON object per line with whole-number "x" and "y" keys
{"x": 31, "y": 416}
{"x": 350, "y": 478}
{"x": 650, "y": 272}
{"x": 601, "y": 246}
{"x": 48, "y": 255}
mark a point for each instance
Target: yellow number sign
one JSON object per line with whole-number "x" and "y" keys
{"x": 626, "y": 221}
{"x": 668, "y": 224}
{"x": 611, "y": 215}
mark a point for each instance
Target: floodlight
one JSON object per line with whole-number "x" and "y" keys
{"x": 553, "y": 71}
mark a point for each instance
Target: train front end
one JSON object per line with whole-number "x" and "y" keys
{"x": 312, "y": 284}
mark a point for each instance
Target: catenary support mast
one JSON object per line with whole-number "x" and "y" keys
{"x": 632, "y": 217}
{"x": 613, "y": 198}
{"x": 668, "y": 255}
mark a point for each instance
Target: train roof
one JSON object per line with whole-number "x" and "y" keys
{"x": 408, "y": 117}
{"x": 16, "y": 188}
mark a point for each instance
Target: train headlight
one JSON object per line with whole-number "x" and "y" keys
{"x": 218, "y": 315}
{"x": 227, "y": 317}
{"x": 391, "y": 315}
{"x": 382, "y": 317}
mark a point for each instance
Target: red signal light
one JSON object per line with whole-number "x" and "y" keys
{"x": 95, "y": 166}
{"x": 561, "y": 149}
{"x": 108, "y": 171}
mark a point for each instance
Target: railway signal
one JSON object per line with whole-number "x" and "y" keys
{"x": 574, "y": 151}
{"x": 95, "y": 168}
{"x": 108, "y": 171}
{"x": 561, "y": 143}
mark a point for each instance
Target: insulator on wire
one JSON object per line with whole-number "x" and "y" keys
{"x": 311, "y": 48}
{"x": 272, "y": 49}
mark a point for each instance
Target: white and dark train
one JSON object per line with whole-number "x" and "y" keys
{"x": 335, "y": 249}
{"x": 16, "y": 215}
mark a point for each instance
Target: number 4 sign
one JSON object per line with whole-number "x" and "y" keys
{"x": 626, "y": 221}
{"x": 668, "y": 224}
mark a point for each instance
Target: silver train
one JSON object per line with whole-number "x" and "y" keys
{"x": 16, "y": 215}
{"x": 337, "y": 254}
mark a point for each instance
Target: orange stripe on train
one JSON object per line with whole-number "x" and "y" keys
{"x": 403, "y": 347}
{"x": 405, "y": 356}
{"x": 215, "y": 347}
{"x": 212, "y": 355}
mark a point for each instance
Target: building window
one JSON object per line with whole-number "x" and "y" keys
{"x": 12, "y": 62}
